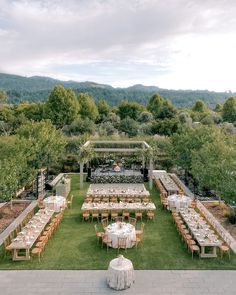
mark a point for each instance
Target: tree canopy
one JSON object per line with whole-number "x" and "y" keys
{"x": 62, "y": 106}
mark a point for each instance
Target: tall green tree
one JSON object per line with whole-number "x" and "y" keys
{"x": 200, "y": 106}
{"x": 62, "y": 105}
{"x": 103, "y": 108}
{"x": 229, "y": 110}
{"x": 88, "y": 108}
{"x": 129, "y": 109}
{"x": 184, "y": 144}
{"x": 160, "y": 107}
{"x": 129, "y": 126}
{"x": 214, "y": 167}
{"x": 44, "y": 141}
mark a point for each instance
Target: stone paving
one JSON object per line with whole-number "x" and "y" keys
{"x": 93, "y": 282}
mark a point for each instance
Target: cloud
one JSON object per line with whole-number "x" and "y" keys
{"x": 148, "y": 38}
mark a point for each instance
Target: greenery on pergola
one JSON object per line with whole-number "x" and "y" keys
{"x": 125, "y": 147}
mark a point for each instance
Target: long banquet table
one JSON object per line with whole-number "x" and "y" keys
{"x": 168, "y": 183}
{"x": 118, "y": 190}
{"x": 202, "y": 232}
{"x": 118, "y": 206}
{"x": 29, "y": 234}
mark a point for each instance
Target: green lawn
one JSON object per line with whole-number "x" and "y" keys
{"x": 74, "y": 245}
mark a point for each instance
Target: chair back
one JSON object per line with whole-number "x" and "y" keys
{"x": 104, "y": 222}
{"x": 122, "y": 243}
{"x": 132, "y": 221}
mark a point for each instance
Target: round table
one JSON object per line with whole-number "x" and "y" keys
{"x": 54, "y": 203}
{"x": 178, "y": 202}
{"x": 120, "y": 274}
{"x": 121, "y": 230}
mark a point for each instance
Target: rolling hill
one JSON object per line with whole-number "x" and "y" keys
{"x": 37, "y": 88}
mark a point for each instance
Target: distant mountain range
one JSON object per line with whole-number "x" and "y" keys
{"x": 37, "y": 88}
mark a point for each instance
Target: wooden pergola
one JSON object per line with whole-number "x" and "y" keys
{"x": 124, "y": 146}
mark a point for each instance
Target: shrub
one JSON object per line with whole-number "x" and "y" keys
{"x": 1, "y": 215}
{"x": 232, "y": 216}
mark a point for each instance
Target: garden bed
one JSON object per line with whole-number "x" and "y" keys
{"x": 8, "y": 215}
{"x": 218, "y": 212}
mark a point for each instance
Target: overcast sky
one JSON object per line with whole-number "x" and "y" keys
{"x": 175, "y": 44}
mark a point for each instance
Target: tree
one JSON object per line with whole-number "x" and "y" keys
{"x": 80, "y": 126}
{"x": 214, "y": 167}
{"x": 200, "y": 106}
{"x": 88, "y": 108}
{"x": 145, "y": 117}
{"x": 44, "y": 141}
{"x": 218, "y": 108}
{"x": 229, "y": 110}
{"x": 103, "y": 109}
{"x": 129, "y": 126}
{"x": 160, "y": 107}
{"x": 62, "y": 105}
{"x": 185, "y": 118}
{"x": 129, "y": 109}
{"x": 190, "y": 140}
{"x": 14, "y": 169}
{"x": 3, "y": 96}
{"x": 165, "y": 126}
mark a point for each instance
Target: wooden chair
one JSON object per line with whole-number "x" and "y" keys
{"x": 38, "y": 250}
{"x": 88, "y": 200}
{"x": 119, "y": 219}
{"x": 146, "y": 200}
{"x": 122, "y": 244}
{"x": 105, "y": 200}
{"x": 107, "y": 241}
{"x": 99, "y": 234}
{"x": 113, "y": 200}
{"x": 150, "y": 215}
{"x": 95, "y": 214}
{"x": 6, "y": 244}
{"x": 137, "y": 200}
{"x": 86, "y": 215}
{"x": 104, "y": 222}
{"x": 139, "y": 215}
{"x": 104, "y": 214}
{"x": 141, "y": 230}
{"x": 125, "y": 214}
{"x": 96, "y": 199}
{"x": 224, "y": 248}
{"x": 137, "y": 241}
{"x": 193, "y": 248}
{"x": 70, "y": 202}
{"x": 114, "y": 214}
{"x": 132, "y": 221}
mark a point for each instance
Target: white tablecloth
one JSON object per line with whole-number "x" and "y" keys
{"x": 178, "y": 202}
{"x": 120, "y": 273}
{"x": 121, "y": 230}
{"x": 54, "y": 203}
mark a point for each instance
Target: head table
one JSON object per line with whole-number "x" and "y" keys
{"x": 121, "y": 230}
{"x": 118, "y": 190}
{"x": 120, "y": 273}
{"x": 118, "y": 206}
